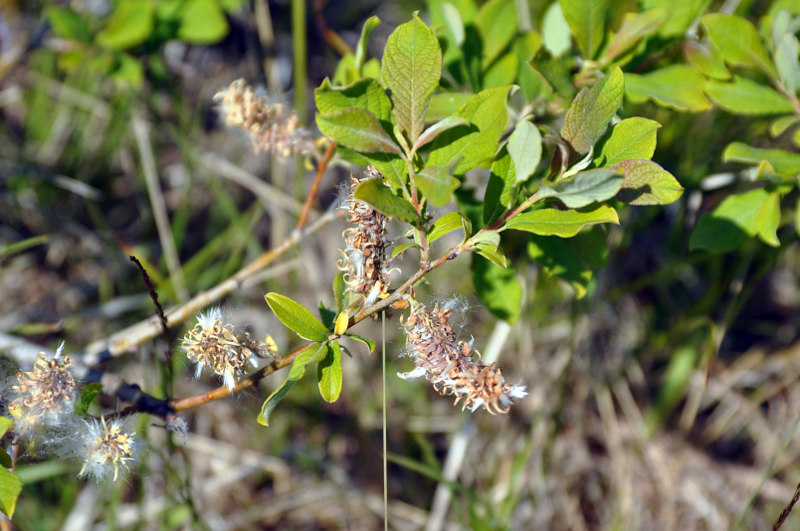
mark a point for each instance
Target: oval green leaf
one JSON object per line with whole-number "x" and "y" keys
{"x": 296, "y": 317}
{"x": 314, "y": 353}
{"x": 329, "y": 373}
{"x": 676, "y": 86}
{"x": 445, "y": 225}
{"x": 374, "y": 192}
{"x": 646, "y": 183}
{"x": 272, "y": 401}
{"x": 130, "y": 24}
{"x": 632, "y": 138}
{"x": 410, "y": 70}
{"x": 587, "y": 18}
{"x": 562, "y": 223}
{"x": 469, "y": 147}
{"x": 738, "y": 217}
{"x": 743, "y": 96}
{"x": 784, "y": 163}
{"x": 498, "y": 289}
{"x": 356, "y": 129}
{"x": 585, "y": 188}
{"x": 525, "y": 149}
{"x": 436, "y": 184}
{"x": 202, "y": 22}
{"x": 591, "y": 110}
{"x": 737, "y": 40}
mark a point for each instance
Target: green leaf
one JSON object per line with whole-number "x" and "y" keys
{"x": 676, "y": 86}
{"x": 445, "y": 225}
{"x": 556, "y": 35}
{"x": 501, "y": 188}
{"x": 314, "y": 353}
{"x": 85, "y": 400}
{"x": 558, "y": 258}
{"x": 445, "y": 104}
{"x": 404, "y": 247}
{"x": 646, "y": 183}
{"x": 786, "y": 62}
{"x": 391, "y": 166}
{"x": 356, "y": 129}
{"x": 374, "y": 192}
{"x": 525, "y": 149}
{"x": 329, "y": 373}
{"x": 776, "y": 128}
{"x": 340, "y": 292}
{"x": 493, "y": 254}
{"x": 5, "y": 459}
{"x": 23, "y": 245}
{"x": 361, "y": 48}
{"x": 272, "y": 401}
{"x": 585, "y": 188}
{"x": 633, "y": 30}
{"x": 471, "y": 146}
{"x": 587, "y": 18}
{"x": 368, "y": 342}
{"x": 591, "y": 110}
{"x": 502, "y": 71}
{"x": 631, "y": 138}
{"x": 128, "y": 69}
{"x": 67, "y": 24}
{"x": 497, "y": 288}
{"x": 562, "y": 223}
{"x": 486, "y": 244}
{"x": 430, "y": 134}
{"x": 526, "y": 46}
{"x": 5, "y": 424}
{"x": 743, "y": 96}
{"x": 738, "y": 217}
{"x": 554, "y": 75}
{"x": 410, "y": 70}
{"x": 784, "y": 163}
{"x": 130, "y": 24}
{"x": 738, "y": 41}
{"x": 681, "y": 14}
{"x": 296, "y": 317}
{"x": 436, "y": 184}
{"x": 364, "y": 94}
{"x": 496, "y": 24}
{"x": 10, "y": 487}
{"x": 202, "y": 22}
{"x": 706, "y": 58}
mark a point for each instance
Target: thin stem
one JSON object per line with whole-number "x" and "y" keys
{"x": 385, "y": 459}
{"x": 140, "y": 132}
{"x": 180, "y": 404}
{"x": 299, "y": 57}
{"x": 312, "y": 194}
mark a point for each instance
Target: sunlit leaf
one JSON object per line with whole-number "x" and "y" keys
{"x": 410, "y": 70}
{"x": 676, "y": 86}
{"x": 585, "y": 188}
{"x": 562, "y": 223}
{"x": 592, "y": 109}
{"x": 379, "y": 196}
{"x": 646, "y": 183}
{"x": 738, "y": 41}
{"x": 632, "y": 138}
{"x": 296, "y": 317}
{"x": 329, "y": 373}
{"x": 587, "y": 18}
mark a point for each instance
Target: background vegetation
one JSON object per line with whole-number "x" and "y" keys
{"x": 662, "y": 373}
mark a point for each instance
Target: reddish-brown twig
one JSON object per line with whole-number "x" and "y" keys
{"x": 312, "y": 194}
